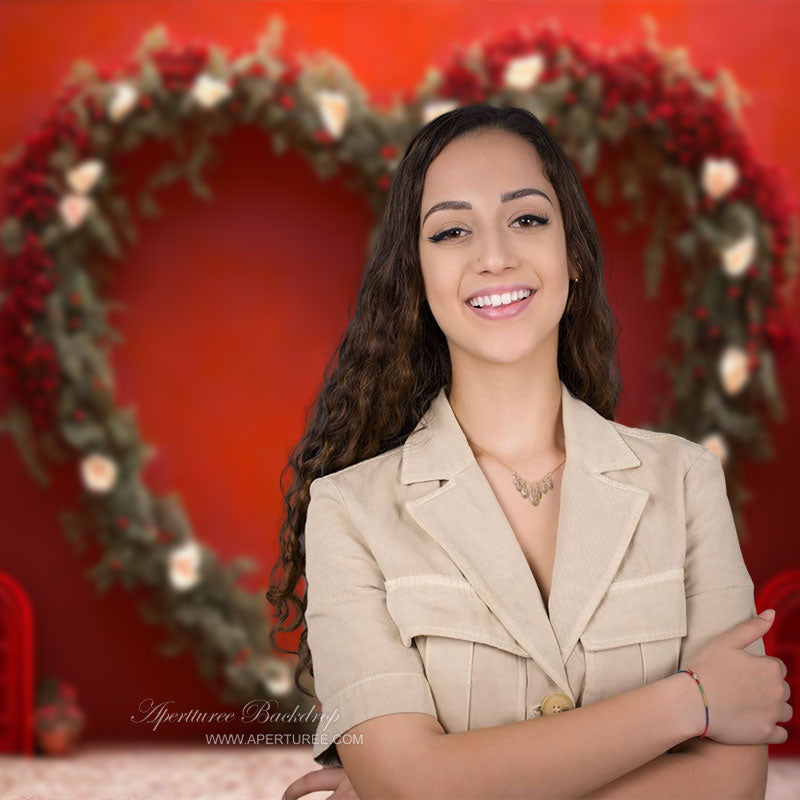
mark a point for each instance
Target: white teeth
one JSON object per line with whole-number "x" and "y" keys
{"x": 499, "y": 299}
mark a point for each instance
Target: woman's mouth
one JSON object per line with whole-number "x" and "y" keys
{"x": 497, "y": 309}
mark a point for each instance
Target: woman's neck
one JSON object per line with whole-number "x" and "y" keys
{"x": 519, "y": 424}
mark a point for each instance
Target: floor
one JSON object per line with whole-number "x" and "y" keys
{"x": 190, "y": 772}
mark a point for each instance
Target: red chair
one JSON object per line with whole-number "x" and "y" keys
{"x": 16, "y": 668}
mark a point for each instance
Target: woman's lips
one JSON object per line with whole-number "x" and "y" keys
{"x": 503, "y": 312}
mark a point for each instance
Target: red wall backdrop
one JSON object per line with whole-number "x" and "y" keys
{"x": 231, "y": 309}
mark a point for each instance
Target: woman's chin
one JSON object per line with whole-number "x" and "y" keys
{"x": 502, "y": 354}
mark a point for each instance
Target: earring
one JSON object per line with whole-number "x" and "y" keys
{"x": 574, "y": 282}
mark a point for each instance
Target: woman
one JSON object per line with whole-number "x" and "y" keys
{"x": 483, "y": 545}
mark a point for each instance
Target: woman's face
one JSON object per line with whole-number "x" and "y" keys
{"x": 494, "y": 242}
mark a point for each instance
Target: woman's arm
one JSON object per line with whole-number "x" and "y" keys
{"x": 703, "y": 769}
{"x": 719, "y": 594}
{"x": 564, "y": 755}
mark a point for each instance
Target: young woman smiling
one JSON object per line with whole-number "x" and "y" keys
{"x": 508, "y": 593}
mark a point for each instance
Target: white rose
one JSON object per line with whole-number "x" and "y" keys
{"x": 716, "y": 442}
{"x": 74, "y": 208}
{"x": 122, "y": 101}
{"x": 83, "y": 177}
{"x": 333, "y": 109}
{"x": 98, "y": 473}
{"x": 278, "y": 676}
{"x": 435, "y": 108}
{"x": 523, "y": 72}
{"x": 733, "y": 369}
{"x": 209, "y": 91}
{"x": 719, "y": 176}
{"x": 737, "y": 257}
{"x": 184, "y": 564}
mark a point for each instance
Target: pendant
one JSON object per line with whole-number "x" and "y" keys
{"x": 533, "y": 492}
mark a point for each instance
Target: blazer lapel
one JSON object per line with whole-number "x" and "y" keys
{"x": 597, "y": 518}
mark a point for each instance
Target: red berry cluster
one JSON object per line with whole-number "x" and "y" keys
{"x": 32, "y": 193}
{"x": 28, "y": 362}
{"x": 179, "y": 66}
{"x": 498, "y": 52}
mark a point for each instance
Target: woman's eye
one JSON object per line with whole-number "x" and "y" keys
{"x": 444, "y": 235}
{"x": 539, "y": 219}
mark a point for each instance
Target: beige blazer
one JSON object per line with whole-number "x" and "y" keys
{"x": 421, "y": 599}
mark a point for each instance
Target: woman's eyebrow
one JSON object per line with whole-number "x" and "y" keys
{"x": 461, "y": 205}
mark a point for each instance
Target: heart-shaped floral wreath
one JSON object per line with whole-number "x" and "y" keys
{"x": 680, "y": 140}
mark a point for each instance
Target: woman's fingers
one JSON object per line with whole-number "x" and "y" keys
{"x": 781, "y": 663}
{"x": 318, "y": 780}
{"x": 345, "y": 792}
{"x": 779, "y": 735}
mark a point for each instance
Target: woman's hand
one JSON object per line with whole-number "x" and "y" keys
{"x": 747, "y": 693}
{"x": 322, "y": 780}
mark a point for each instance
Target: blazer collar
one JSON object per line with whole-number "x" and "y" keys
{"x": 597, "y": 517}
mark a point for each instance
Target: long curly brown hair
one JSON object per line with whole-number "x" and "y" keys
{"x": 393, "y": 358}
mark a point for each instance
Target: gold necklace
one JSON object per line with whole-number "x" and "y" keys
{"x": 530, "y": 491}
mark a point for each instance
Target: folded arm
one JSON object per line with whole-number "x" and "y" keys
{"x": 719, "y": 595}
{"x": 701, "y": 768}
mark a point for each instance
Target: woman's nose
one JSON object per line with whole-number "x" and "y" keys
{"x": 494, "y": 251}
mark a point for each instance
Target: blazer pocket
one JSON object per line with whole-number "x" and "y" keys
{"x": 475, "y": 668}
{"x": 634, "y": 636}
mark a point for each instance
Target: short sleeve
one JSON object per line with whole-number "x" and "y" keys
{"x": 362, "y": 669}
{"x": 719, "y": 589}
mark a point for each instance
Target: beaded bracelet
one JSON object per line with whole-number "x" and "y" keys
{"x": 694, "y": 675}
